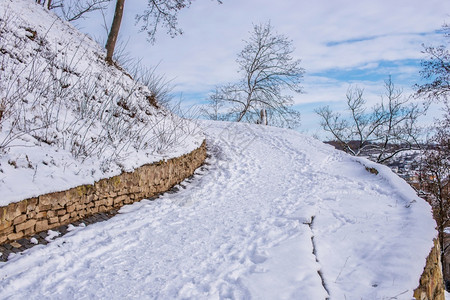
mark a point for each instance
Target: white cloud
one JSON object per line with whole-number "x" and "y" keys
{"x": 328, "y": 35}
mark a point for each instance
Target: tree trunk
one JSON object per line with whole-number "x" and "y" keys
{"x": 114, "y": 32}
{"x": 263, "y": 117}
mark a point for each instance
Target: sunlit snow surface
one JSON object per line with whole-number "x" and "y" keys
{"x": 241, "y": 229}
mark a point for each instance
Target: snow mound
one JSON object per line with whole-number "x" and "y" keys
{"x": 275, "y": 215}
{"x": 67, "y": 117}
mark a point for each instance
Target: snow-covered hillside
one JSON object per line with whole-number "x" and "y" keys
{"x": 66, "y": 117}
{"x": 275, "y": 215}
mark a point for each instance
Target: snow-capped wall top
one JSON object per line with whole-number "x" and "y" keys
{"x": 68, "y": 118}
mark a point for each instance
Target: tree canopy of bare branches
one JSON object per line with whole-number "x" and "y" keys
{"x": 434, "y": 180}
{"x": 71, "y": 10}
{"x": 268, "y": 69}
{"x": 161, "y": 13}
{"x": 386, "y": 129}
{"x": 158, "y": 13}
{"x": 436, "y": 70}
{"x": 434, "y": 176}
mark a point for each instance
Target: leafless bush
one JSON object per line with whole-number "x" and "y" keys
{"x": 178, "y": 125}
{"x": 159, "y": 86}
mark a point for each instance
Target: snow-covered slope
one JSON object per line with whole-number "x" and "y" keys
{"x": 275, "y": 215}
{"x": 67, "y": 117}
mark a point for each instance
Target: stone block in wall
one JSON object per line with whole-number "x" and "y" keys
{"x": 4, "y": 225}
{"x": 48, "y": 199}
{"x": 64, "y": 199}
{"x": 109, "y": 202}
{"x": 29, "y": 231}
{"x": 61, "y": 212}
{"x": 53, "y": 220}
{"x": 12, "y": 212}
{"x": 45, "y": 207}
{"x": 25, "y": 225}
{"x": 64, "y": 218}
{"x": 41, "y": 215}
{"x": 22, "y": 206}
{"x": 119, "y": 200}
{"x": 15, "y": 236}
{"x": 3, "y": 238}
{"x": 70, "y": 208}
{"x": 20, "y": 219}
{"x": 32, "y": 205}
{"x": 41, "y": 225}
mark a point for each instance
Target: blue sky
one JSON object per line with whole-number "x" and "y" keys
{"x": 340, "y": 43}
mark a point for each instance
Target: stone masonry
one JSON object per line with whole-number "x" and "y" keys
{"x": 431, "y": 285}
{"x": 48, "y": 211}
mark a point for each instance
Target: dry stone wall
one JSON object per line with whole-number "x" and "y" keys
{"x": 431, "y": 285}
{"x": 52, "y": 210}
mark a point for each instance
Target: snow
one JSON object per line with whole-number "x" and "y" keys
{"x": 51, "y": 235}
{"x": 73, "y": 118}
{"x": 273, "y": 215}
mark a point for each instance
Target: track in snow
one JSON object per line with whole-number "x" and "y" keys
{"x": 239, "y": 231}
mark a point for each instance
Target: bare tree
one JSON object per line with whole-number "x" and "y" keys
{"x": 435, "y": 165}
{"x": 214, "y": 109}
{"x": 388, "y": 128}
{"x": 268, "y": 69}
{"x": 436, "y": 70}
{"x": 71, "y": 10}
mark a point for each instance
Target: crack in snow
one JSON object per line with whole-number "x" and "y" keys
{"x": 314, "y": 251}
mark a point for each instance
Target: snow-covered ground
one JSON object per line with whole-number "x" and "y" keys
{"x": 68, "y": 117}
{"x": 275, "y": 215}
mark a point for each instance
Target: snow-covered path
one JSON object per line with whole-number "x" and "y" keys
{"x": 274, "y": 215}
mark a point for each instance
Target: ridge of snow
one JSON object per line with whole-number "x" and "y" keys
{"x": 275, "y": 215}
